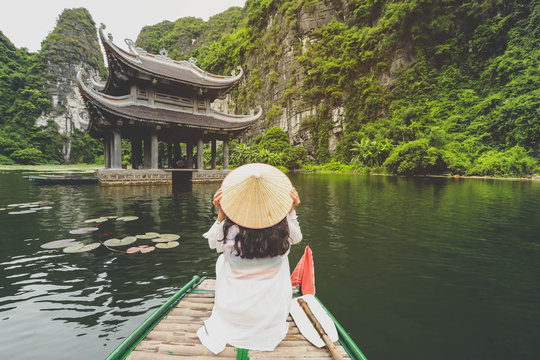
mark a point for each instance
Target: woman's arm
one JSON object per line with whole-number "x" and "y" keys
{"x": 295, "y": 234}
{"x": 215, "y": 235}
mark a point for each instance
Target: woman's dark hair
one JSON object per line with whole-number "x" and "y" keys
{"x": 259, "y": 243}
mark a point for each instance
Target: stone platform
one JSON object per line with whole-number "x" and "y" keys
{"x": 123, "y": 177}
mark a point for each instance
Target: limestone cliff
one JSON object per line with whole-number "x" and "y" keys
{"x": 72, "y": 46}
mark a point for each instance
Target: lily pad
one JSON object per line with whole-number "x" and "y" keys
{"x": 168, "y": 245}
{"x": 128, "y": 218}
{"x": 57, "y": 244}
{"x": 146, "y": 236}
{"x": 160, "y": 240}
{"x": 14, "y": 205}
{"x": 83, "y": 230}
{"x": 21, "y": 212}
{"x": 170, "y": 237}
{"x": 2, "y": 209}
{"x": 121, "y": 242}
{"x": 111, "y": 217}
{"x": 44, "y": 208}
{"x": 81, "y": 248}
{"x": 142, "y": 248}
{"x": 153, "y": 233}
{"x": 96, "y": 220}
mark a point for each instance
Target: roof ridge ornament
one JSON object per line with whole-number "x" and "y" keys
{"x": 193, "y": 60}
{"x": 239, "y": 68}
{"x": 164, "y": 55}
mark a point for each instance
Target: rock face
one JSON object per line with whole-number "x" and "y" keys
{"x": 283, "y": 76}
{"x": 70, "y": 47}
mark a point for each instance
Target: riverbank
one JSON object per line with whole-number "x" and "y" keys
{"x": 84, "y": 168}
{"x": 346, "y": 169}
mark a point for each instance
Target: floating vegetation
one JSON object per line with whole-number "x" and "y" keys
{"x": 147, "y": 236}
{"x": 143, "y": 249}
{"x": 120, "y": 242}
{"x": 170, "y": 237}
{"x": 168, "y": 245}
{"x": 97, "y": 220}
{"x": 160, "y": 240}
{"x": 57, "y": 244}
{"x": 29, "y": 205}
{"x": 153, "y": 233}
{"x": 83, "y": 230}
{"x": 29, "y": 208}
{"x": 21, "y": 212}
{"x": 81, "y": 248}
{"x": 128, "y": 218}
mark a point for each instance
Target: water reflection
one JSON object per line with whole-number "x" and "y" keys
{"x": 416, "y": 263}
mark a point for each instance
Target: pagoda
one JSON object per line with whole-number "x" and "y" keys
{"x": 149, "y": 98}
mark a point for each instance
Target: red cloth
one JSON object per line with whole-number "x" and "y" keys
{"x": 304, "y": 273}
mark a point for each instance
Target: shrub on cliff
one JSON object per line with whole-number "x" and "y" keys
{"x": 29, "y": 156}
{"x": 514, "y": 161}
{"x": 415, "y": 157}
{"x": 275, "y": 140}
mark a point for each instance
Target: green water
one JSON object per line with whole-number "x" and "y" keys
{"x": 413, "y": 268}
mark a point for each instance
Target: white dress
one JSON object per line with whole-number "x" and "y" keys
{"x": 252, "y": 295}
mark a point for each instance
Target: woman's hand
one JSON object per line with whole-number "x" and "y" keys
{"x": 295, "y": 197}
{"x": 217, "y": 203}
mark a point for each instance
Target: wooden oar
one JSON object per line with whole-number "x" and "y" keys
{"x": 329, "y": 344}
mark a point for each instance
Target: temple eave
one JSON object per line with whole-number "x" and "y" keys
{"x": 172, "y": 70}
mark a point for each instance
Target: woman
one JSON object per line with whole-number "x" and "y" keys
{"x": 255, "y": 227}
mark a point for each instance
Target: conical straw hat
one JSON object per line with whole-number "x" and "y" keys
{"x": 256, "y": 195}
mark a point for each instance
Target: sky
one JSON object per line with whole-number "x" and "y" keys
{"x": 27, "y": 22}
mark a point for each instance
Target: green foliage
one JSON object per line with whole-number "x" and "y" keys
{"x": 29, "y": 156}
{"x": 512, "y": 161}
{"x": 275, "y": 140}
{"x": 186, "y": 37}
{"x": 370, "y": 153}
{"x": 4, "y": 160}
{"x": 244, "y": 154}
{"x": 415, "y": 157}
{"x": 272, "y": 114}
{"x": 295, "y": 158}
{"x": 475, "y": 76}
{"x": 74, "y": 40}
{"x": 25, "y": 76}
{"x": 85, "y": 149}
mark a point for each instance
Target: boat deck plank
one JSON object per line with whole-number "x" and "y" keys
{"x": 175, "y": 337}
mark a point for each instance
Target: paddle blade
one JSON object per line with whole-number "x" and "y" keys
{"x": 306, "y": 327}
{"x": 304, "y": 273}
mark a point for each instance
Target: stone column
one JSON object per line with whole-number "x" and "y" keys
{"x": 225, "y": 154}
{"x": 170, "y": 159}
{"x": 200, "y": 153}
{"x": 154, "y": 149}
{"x": 147, "y": 152}
{"x": 107, "y": 151}
{"x": 116, "y": 149}
{"x": 176, "y": 151}
{"x": 136, "y": 152}
{"x": 189, "y": 151}
{"x": 214, "y": 148}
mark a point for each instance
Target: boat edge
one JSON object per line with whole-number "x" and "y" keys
{"x": 346, "y": 341}
{"x": 129, "y": 343}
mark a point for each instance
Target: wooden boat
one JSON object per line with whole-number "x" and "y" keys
{"x": 170, "y": 333}
{"x": 63, "y": 179}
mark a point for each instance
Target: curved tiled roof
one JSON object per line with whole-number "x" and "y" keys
{"x": 125, "y": 107}
{"x": 161, "y": 66}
